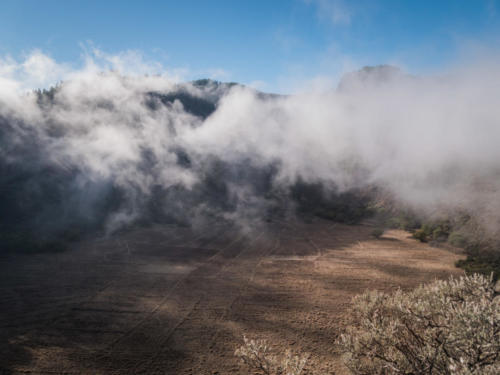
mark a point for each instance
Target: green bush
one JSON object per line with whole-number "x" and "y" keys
{"x": 438, "y": 234}
{"x": 377, "y": 232}
{"x": 421, "y": 235}
{"x": 441, "y": 230}
{"x": 405, "y": 222}
{"x": 457, "y": 239}
{"x": 435, "y": 231}
{"x": 482, "y": 263}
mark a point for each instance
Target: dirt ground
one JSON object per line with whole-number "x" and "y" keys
{"x": 169, "y": 300}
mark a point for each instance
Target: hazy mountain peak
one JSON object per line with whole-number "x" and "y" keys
{"x": 371, "y": 77}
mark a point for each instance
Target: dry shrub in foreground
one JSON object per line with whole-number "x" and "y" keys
{"x": 447, "y": 327}
{"x": 257, "y": 355}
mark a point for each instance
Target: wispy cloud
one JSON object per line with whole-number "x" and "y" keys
{"x": 334, "y": 11}
{"x": 39, "y": 70}
{"x": 285, "y": 40}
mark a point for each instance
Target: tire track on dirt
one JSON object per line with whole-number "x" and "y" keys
{"x": 151, "y": 363}
{"x": 60, "y": 322}
{"x": 268, "y": 251}
{"x": 150, "y": 339}
{"x": 181, "y": 279}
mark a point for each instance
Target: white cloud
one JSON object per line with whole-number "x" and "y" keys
{"x": 430, "y": 140}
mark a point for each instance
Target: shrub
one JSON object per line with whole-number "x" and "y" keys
{"x": 377, "y": 232}
{"x": 439, "y": 234}
{"x": 486, "y": 264}
{"x": 257, "y": 355}
{"x": 420, "y": 235}
{"x": 435, "y": 231}
{"x": 447, "y": 327}
{"x": 441, "y": 230}
{"x": 457, "y": 239}
{"x": 403, "y": 221}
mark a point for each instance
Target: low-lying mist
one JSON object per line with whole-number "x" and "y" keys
{"x": 108, "y": 147}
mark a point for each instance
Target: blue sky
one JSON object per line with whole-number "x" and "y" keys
{"x": 275, "y": 44}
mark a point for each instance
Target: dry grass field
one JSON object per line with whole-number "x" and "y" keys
{"x": 169, "y": 300}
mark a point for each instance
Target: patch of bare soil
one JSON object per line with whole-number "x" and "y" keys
{"x": 169, "y": 300}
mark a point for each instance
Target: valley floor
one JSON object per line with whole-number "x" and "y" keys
{"x": 169, "y": 300}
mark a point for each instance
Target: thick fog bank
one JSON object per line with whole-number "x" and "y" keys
{"x": 104, "y": 149}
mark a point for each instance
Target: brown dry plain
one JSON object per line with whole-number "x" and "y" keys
{"x": 169, "y": 300}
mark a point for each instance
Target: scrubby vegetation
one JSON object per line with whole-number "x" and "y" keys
{"x": 258, "y": 356}
{"x": 438, "y": 230}
{"x": 377, "y": 232}
{"x": 482, "y": 264}
{"x": 459, "y": 229}
{"x": 447, "y": 327}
